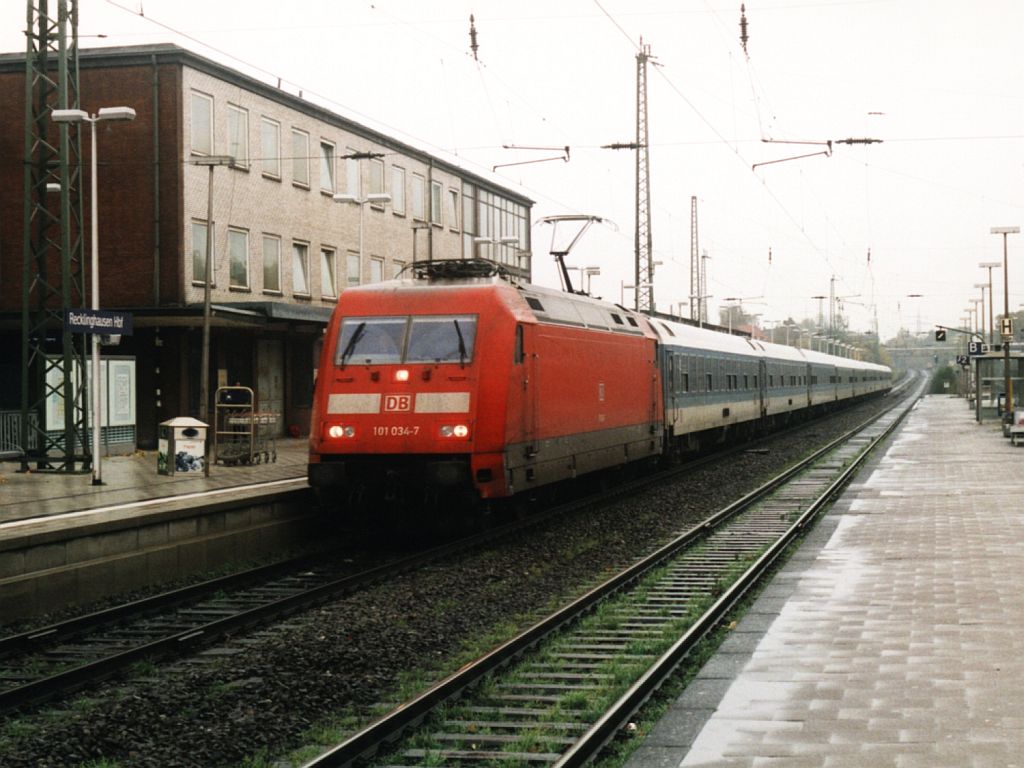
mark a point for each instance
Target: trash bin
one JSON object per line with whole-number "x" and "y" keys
{"x": 181, "y": 446}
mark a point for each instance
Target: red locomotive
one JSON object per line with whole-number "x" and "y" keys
{"x": 456, "y": 379}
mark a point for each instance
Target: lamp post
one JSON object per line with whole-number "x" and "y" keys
{"x": 982, "y": 287}
{"x": 374, "y": 198}
{"x": 1008, "y": 382}
{"x": 990, "y": 265}
{"x": 81, "y": 116}
{"x": 210, "y": 162}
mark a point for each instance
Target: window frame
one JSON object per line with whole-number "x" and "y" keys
{"x": 398, "y": 190}
{"x": 202, "y": 256}
{"x": 328, "y": 267}
{"x": 277, "y": 267}
{"x": 241, "y": 157}
{"x": 300, "y": 246}
{"x": 437, "y": 203}
{"x": 350, "y": 258}
{"x": 233, "y": 234}
{"x": 418, "y": 190}
{"x": 300, "y": 157}
{"x": 193, "y": 133}
{"x": 454, "y": 206}
{"x": 270, "y": 157}
{"x": 328, "y": 156}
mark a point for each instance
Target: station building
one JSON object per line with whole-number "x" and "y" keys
{"x": 284, "y": 248}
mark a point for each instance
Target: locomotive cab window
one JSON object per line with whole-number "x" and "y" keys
{"x": 393, "y": 340}
{"x": 441, "y": 339}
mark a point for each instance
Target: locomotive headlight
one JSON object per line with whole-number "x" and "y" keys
{"x": 337, "y": 431}
{"x": 454, "y": 430}
{"x": 402, "y": 374}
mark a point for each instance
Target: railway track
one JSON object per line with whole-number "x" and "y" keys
{"x": 50, "y": 661}
{"x": 561, "y": 690}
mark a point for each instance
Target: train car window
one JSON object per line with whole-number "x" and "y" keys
{"x": 441, "y": 339}
{"x": 686, "y": 382}
{"x": 534, "y": 303}
{"x": 518, "y": 355}
{"x": 632, "y": 321}
{"x": 617, "y": 319}
{"x": 708, "y": 375}
{"x": 367, "y": 340}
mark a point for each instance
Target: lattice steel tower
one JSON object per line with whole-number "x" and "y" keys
{"x": 695, "y": 291}
{"x": 642, "y": 243}
{"x": 53, "y": 416}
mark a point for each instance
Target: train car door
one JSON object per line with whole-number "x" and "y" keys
{"x": 807, "y": 379}
{"x": 526, "y": 362}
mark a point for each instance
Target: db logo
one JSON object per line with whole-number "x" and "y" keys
{"x": 397, "y": 402}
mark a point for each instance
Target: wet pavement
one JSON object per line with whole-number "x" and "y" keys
{"x": 893, "y": 637}
{"x": 134, "y": 478}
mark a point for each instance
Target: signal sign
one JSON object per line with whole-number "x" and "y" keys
{"x": 940, "y": 335}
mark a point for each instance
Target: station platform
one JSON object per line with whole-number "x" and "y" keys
{"x": 893, "y": 637}
{"x": 133, "y": 478}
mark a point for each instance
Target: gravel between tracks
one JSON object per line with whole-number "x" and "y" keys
{"x": 261, "y": 692}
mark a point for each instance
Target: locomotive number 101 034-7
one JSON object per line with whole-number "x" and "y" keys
{"x": 395, "y": 431}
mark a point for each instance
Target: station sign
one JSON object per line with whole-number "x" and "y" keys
{"x": 976, "y": 348}
{"x": 963, "y": 360}
{"x": 101, "y": 321}
{"x": 1006, "y": 327}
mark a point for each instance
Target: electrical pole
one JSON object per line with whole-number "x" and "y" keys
{"x": 52, "y": 375}
{"x": 644, "y": 256}
{"x": 695, "y": 292}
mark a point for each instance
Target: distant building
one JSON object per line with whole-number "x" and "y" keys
{"x": 283, "y": 248}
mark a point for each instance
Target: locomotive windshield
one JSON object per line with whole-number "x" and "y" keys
{"x": 418, "y": 339}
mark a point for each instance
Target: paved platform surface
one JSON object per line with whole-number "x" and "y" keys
{"x": 133, "y": 478}
{"x": 894, "y": 637}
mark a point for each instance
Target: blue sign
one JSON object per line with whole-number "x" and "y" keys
{"x": 99, "y": 321}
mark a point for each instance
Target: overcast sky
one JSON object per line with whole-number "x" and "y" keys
{"x": 940, "y": 82}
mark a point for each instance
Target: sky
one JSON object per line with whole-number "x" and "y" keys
{"x": 896, "y": 228}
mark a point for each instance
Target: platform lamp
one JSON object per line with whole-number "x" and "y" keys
{"x": 374, "y": 198}
{"x": 990, "y": 265}
{"x": 210, "y": 162}
{"x": 113, "y": 114}
{"x": 982, "y": 287}
{"x": 1008, "y": 382}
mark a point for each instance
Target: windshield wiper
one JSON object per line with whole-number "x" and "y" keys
{"x": 350, "y": 347}
{"x": 462, "y": 344}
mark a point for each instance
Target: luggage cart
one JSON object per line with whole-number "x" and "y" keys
{"x": 233, "y": 433}
{"x": 242, "y": 435}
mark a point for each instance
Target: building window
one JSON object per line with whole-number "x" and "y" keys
{"x": 352, "y": 185}
{"x": 398, "y": 190}
{"x": 300, "y": 157}
{"x": 327, "y": 167}
{"x": 328, "y": 269}
{"x": 238, "y": 258}
{"x": 376, "y": 270}
{"x": 270, "y": 147}
{"x": 238, "y": 135}
{"x": 201, "y": 124}
{"x": 397, "y": 267}
{"x": 199, "y": 254}
{"x": 271, "y": 263}
{"x": 453, "y": 208}
{"x": 300, "y": 269}
{"x": 418, "y": 197}
{"x": 376, "y": 180}
{"x": 352, "y": 273}
{"x": 436, "y": 190}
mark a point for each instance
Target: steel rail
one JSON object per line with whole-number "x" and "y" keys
{"x": 605, "y": 729}
{"x": 391, "y": 726}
